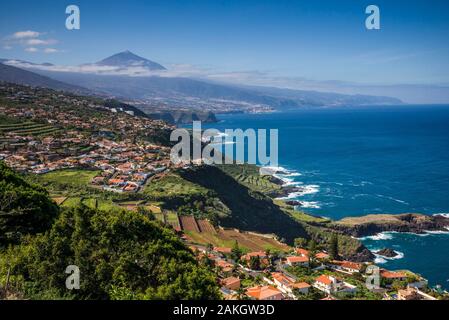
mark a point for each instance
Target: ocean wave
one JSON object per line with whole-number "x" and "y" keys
{"x": 438, "y": 232}
{"x": 276, "y": 169}
{"x": 379, "y": 260}
{"x": 379, "y": 236}
{"x": 310, "y": 204}
{"x": 305, "y": 190}
{"x": 293, "y": 174}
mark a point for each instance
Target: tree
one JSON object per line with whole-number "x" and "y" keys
{"x": 236, "y": 252}
{"x": 333, "y": 247}
{"x": 120, "y": 255}
{"x": 254, "y": 263}
{"x": 24, "y": 208}
{"x": 300, "y": 243}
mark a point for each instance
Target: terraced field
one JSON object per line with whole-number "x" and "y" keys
{"x": 188, "y": 223}
{"x": 27, "y": 128}
{"x": 246, "y": 241}
{"x": 171, "y": 218}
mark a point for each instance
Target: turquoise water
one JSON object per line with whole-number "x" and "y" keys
{"x": 353, "y": 162}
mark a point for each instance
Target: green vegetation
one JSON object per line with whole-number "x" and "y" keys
{"x": 299, "y": 215}
{"x": 248, "y": 175}
{"x": 77, "y": 177}
{"x": 120, "y": 255}
{"x": 24, "y": 208}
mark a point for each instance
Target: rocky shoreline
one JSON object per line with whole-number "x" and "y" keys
{"x": 374, "y": 224}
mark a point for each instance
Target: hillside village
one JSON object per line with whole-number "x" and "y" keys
{"x": 302, "y": 274}
{"x": 53, "y": 136}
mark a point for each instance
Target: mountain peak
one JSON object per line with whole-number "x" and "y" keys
{"x": 130, "y": 59}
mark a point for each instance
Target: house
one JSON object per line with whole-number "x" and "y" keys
{"x": 346, "y": 266}
{"x": 393, "y": 275}
{"x": 325, "y": 283}
{"x": 298, "y": 261}
{"x": 302, "y": 252}
{"x": 288, "y": 285}
{"x": 258, "y": 254}
{"x": 330, "y": 284}
{"x": 322, "y": 256}
{"x": 301, "y": 287}
{"x": 231, "y": 283}
{"x": 224, "y": 265}
{"x": 264, "y": 293}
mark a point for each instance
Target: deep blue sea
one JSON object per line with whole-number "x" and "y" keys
{"x": 353, "y": 162}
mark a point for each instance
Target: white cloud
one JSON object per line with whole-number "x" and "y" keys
{"x": 25, "y": 34}
{"x": 7, "y": 47}
{"x": 39, "y": 42}
{"x": 31, "y": 49}
{"x": 50, "y": 50}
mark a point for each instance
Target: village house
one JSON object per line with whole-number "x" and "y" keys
{"x": 393, "y": 275}
{"x": 264, "y": 293}
{"x": 231, "y": 283}
{"x": 302, "y": 252}
{"x": 322, "y": 256}
{"x": 224, "y": 266}
{"x": 330, "y": 284}
{"x": 264, "y": 262}
{"x": 288, "y": 285}
{"x": 346, "y": 266}
{"x": 297, "y": 261}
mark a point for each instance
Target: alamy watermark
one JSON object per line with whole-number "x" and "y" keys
{"x": 233, "y": 146}
{"x": 72, "y": 282}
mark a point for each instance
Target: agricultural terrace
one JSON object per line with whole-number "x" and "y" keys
{"x": 27, "y": 128}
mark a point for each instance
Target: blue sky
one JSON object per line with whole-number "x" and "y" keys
{"x": 313, "y": 40}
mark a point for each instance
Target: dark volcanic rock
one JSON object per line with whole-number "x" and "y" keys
{"x": 374, "y": 224}
{"x": 389, "y": 253}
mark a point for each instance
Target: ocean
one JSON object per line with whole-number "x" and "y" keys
{"x": 369, "y": 160}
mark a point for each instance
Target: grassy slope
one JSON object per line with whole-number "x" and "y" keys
{"x": 232, "y": 203}
{"x": 71, "y": 176}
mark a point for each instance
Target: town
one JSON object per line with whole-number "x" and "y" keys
{"x": 52, "y": 137}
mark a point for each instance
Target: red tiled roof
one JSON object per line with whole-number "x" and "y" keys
{"x": 392, "y": 274}
{"x": 230, "y": 281}
{"x": 262, "y": 293}
{"x": 301, "y": 285}
{"x": 324, "y": 279}
{"x": 321, "y": 255}
{"x": 302, "y": 251}
{"x": 295, "y": 259}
